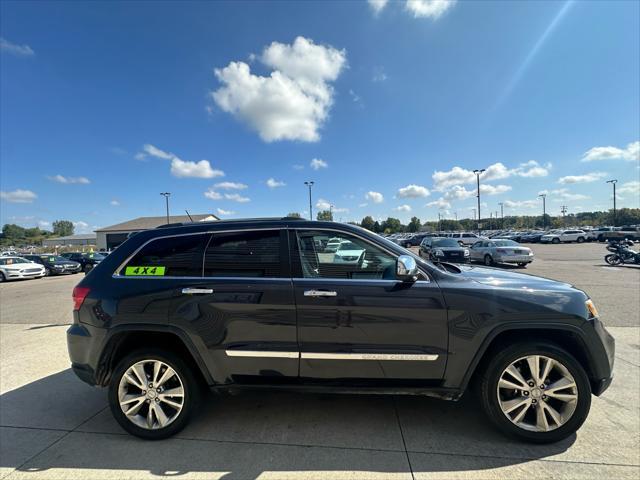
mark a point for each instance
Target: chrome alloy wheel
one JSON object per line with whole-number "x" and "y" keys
{"x": 537, "y": 393}
{"x": 151, "y": 394}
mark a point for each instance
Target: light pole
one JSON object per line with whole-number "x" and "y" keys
{"x": 544, "y": 210}
{"x": 166, "y": 196}
{"x": 563, "y": 210}
{"x": 613, "y": 182}
{"x": 310, "y": 184}
{"x": 501, "y": 214}
{"x": 331, "y": 211}
{"x": 478, "y": 172}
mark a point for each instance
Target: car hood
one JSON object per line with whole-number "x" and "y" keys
{"x": 508, "y": 279}
{"x": 65, "y": 262}
{"x": 21, "y": 266}
{"x": 450, "y": 249}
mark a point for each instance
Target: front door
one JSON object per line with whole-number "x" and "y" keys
{"x": 356, "y": 320}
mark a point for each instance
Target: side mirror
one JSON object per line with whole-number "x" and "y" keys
{"x": 406, "y": 269}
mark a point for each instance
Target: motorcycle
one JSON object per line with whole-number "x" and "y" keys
{"x": 621, "y": 253}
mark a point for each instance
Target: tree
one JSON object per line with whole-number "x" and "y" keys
{"x": 368, "y": 223}
{"x": 377, "y": 227}
{"x": 325, "y": 215}
{"x": 11, "y": 231}
{"x": 294, "y": 215}
{"x": 62, "y": 228}
{"x": 392, "y": 225}
{"x": 414, "y": 225}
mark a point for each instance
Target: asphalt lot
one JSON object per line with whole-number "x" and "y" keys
{"x": 54, "y": 426}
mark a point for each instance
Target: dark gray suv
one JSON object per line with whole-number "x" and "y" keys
{"x": 265, "y": 303}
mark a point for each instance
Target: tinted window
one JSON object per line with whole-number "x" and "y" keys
{"x": 446, "y": 242}
{"x": 506, "y": 243}
{"x": 243, "y": 254}
{"x": 180, "y": 256}
{"x": 312, "y": 257}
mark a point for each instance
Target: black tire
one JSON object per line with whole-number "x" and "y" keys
{"x": 489, "y": 399}
{"x": 556, "y": 240}
{"x": 488, "y": 261}
{"x": 580, "y": 240}
{"x": 523, "y": 265}
{"x": 2, "y": 279}
{"x": 613, "y": 259}
{"x": 47, "y": 272}
{"x": 190, "y": 385}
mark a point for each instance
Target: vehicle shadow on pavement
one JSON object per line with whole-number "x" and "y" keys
{"x": 245, "y": 435}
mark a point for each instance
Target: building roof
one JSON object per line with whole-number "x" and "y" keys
{"x": 80, "y": 236}
{"x": 147, "y": 223}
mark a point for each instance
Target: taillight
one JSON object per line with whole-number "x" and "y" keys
{"x": 79, "y": 294}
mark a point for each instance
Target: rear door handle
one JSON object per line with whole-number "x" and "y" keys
{"x": 197, "y": 291}
{"x": 320, "y": 293}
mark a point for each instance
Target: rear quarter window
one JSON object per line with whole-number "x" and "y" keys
{"x": 179, "y": 256}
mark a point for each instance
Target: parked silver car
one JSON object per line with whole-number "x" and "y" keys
{"x": 494, "y": 251}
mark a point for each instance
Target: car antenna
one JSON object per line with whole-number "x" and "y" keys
{"x": 189, "y": 215}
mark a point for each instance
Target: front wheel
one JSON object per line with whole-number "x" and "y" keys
{"x": 580, "y": 240}
{"x": 535, "y": 391}
{"x": 488, "y": 261}
{"x": 522, "y": 264}
{"x": 613, "y": 259}
{"x": 555, "y": 240}
{"x": 2, "y": 279}
{"x": 152, "y": 394}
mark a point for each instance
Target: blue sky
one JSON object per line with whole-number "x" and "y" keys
{"x": 387, "y": 106}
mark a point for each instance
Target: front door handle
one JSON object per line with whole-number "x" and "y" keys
{"x": 197, "y": 291}
{"x": 320, "y": 293}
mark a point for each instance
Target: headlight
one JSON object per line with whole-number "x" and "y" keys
{"x": 591, "y": 308}
{"x": 439, "y": 253}
{"x": 466, "y": 252}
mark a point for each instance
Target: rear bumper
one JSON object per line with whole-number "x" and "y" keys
{"x": 514, "y": 259}
{"x": 603, "y": 355}
{"x": 84, "y": 342}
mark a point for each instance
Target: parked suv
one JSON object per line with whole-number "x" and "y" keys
{"x": 86, "y": 260}
{"x": 260, "y": 303}
{"x": 54, "y": 264}
{"x": 564, "y": 236}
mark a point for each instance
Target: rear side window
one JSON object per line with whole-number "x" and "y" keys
{"x": 244, "y": 254}
{"x": 179, "y": 256}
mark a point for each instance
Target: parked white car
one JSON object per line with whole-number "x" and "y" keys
{"x": 333, "y": 244}
{"x": 17, "y": 268}
{"x": 349, "y": 253}
{"x": 564, "y": 236}
{"x": 494, "y": 251}
{"x": 466, "y": 238}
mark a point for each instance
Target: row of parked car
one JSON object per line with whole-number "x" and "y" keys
{"x": 14, "y": 266}
{"x": 490, "y": 251}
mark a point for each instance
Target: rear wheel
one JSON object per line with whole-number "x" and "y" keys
{"x": 535, "y": 391}
{"x": 152, "y": 394}
{"x": 580, "y": 240}
{"x": 488, "y": 261}
{"x": 556, "y": 240}
{"x": 613, "y": 259}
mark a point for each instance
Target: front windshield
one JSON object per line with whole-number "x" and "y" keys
{"x": 445, "y": 242}
{"x": 95, "y": 256}
{"x": 13, "y": 260}
{"x": 54, "y": 258}
{"x": 506, "y": 243}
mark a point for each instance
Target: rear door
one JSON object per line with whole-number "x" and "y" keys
{"x": 242, "y": 309}
{"x": 357, "y": 321}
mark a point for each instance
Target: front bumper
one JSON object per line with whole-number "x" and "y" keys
{"x": 10, "y": 275}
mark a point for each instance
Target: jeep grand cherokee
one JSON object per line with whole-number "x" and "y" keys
{"x": 264, "y": 303}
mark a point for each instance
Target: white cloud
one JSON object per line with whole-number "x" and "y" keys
{"x": 297, "y": 166}
{"x": 236, "y": 197}
{"x": 630, "y": 153}
{"x": 458, "y": 192}
{"x": 14, "y": 49}
{"x": 629, "y": 187}
{"x": 493, "y": 189}
{"x": 521, "y": 204}
{"x": 497, "y": 171}
{"x": 564, "y": 194}
{"x": 318, "y": 163}
{"x": 403, "y": 208}
{"x": 81, "y": 227}
{"x": 433, "y": 9}
{"x": 213, "y": 195}
{"x": 413, "y": 191}
{"x": 375, "y": 197}
{"x": 18, "y": 196}
{"x": 586, "y": 178}
{"x": 231, "y": 186}
{"x": 61, "y": 179}
{"x": 323, "y": 204}
{"x": 225, "y": 212}
{"x": 273, "y": 183}
{"x": 44, "y": 224}
{"x": 362, "y": 205}
{"x": 377, "y": 5}
{"x": 293, "y": 102}
{"x": 441, "y": 203}
{"x": 379, "y": 75}
{"x": 114, "y": 203}
{"x": 181, "y": 168}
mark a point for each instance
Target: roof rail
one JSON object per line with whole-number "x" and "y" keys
{"x": 292, "y": 218}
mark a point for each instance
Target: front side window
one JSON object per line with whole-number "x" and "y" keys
{"x": 179, "y": 256}
{"x": 244, "y": 254}
{"x": 325, "y": 254}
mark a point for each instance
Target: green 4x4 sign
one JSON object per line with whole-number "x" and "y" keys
{"x": 138, "y": 271}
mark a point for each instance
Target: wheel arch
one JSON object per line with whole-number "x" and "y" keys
{"x": 126, "y": 339}
{"x": 567, "y": 337}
